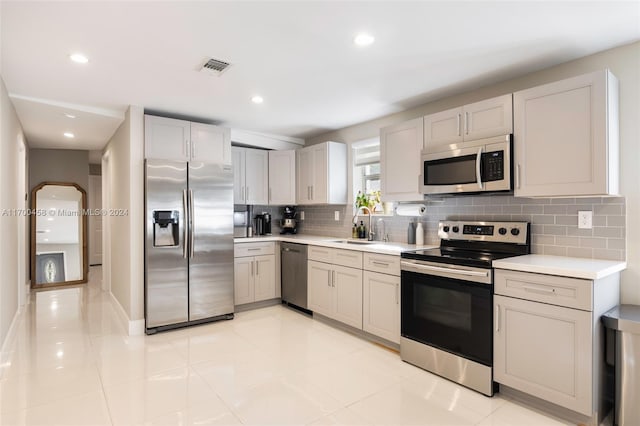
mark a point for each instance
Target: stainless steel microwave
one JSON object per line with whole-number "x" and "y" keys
{"x": 484, "y": 165}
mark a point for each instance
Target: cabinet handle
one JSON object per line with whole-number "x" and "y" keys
{"x": 333, "y": 278}
{"x": 257, "y": 268}
{"x": 385, "y": 265}
{"x": 497, "y": 318}
{"x": 252, "y": 268}
{"x": 458, "y": 125}
{"x": 397, "y": 294}
{"x": 312, "y": 192}
{"x": 193, "y": 150}
{"x": 466, "y": 123}
{"x": 254, "y": 249}
{"x": 329, "y": 279}
{"x": 539, "y": 290}
{"x": 247, "y": 198}
{"x": 186, "y": 148}
{"x": 518, "y": 176}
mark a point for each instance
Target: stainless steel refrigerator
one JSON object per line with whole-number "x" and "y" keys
{"x": 188, "y": 244}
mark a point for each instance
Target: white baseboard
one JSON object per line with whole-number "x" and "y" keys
{"x": 133, "y": 328}
{"x": 8, "y": 339}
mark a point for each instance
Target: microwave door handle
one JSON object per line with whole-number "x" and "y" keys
{"x": 478, "y": 165}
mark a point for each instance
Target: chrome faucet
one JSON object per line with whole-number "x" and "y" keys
{"x": 371, "y": 233}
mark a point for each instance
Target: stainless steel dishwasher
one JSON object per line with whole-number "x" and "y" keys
{"x": 294, "y": 274}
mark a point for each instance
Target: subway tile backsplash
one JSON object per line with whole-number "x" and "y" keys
{"x": 554, "y": 222}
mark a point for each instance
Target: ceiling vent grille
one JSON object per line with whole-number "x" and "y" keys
{"x": 215, "y": 66}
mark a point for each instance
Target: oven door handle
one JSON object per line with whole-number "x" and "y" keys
{"x": 447, "y": 270}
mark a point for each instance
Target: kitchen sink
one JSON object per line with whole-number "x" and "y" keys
{"x": 361, "y": 242}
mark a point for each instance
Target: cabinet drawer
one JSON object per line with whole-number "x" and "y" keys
{"x": 383, "y": 263}
{"x": 350, "y": 258}
{"x": 253, "y": 249}
{"x": 561, "y": 291}
{"x": 320, "y": 254}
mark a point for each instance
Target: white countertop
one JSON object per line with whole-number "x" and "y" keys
{"x": 380, "y": 247}
{"x": 591, "y": 269}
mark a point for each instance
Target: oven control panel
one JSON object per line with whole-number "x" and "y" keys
{"x": 497, "y": 232}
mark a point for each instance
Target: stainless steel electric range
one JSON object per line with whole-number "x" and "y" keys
{"x": 447, "y": 299}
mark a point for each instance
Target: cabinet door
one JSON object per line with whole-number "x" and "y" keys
{"x": 166, "y": 138}
{"x": 545, "y": 351}
{"x": 491, "y": 117}
{"x": 237, "y": 155}
{"x": 243, "y": 280}
{"x": 256, "y": 176}
{"x": 347, "y": 289}
{"x": 319, "y": 187}
{"x": 561, "y": 138}
{"x": 381, "y": 305}
{"x": 443, "y": 128}
{"x": 282, "y": 177}
{"x": 304, "y": 173}
{"x": 320, "y": 292}
{"x": 400, "y": 168}
{"x": 210, "y": 144}
{"x": 265, "y": 277}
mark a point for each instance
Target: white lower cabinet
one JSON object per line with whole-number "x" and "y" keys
{"x": 335, "y": 291}
{"x": 254, "y": 276}
{"x": 548, "y": 338}
{"x": 545, "y": 351}
{"x": 381, "y": 305}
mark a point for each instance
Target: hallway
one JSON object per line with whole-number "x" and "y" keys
{"x": 70, "y": 363}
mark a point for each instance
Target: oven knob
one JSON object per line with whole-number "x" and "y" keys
{"x": 515, "y": 231}
{"x": 456, "y": 229}
{"x": 502, "y": 231}
{"x": 445, "y": 228}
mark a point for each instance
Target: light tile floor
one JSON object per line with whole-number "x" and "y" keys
{"x": 70, "y": 363}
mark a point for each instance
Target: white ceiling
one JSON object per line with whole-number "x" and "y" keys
{"x": 298, "y": 55}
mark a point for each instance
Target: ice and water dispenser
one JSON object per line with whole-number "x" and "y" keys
{"x": 165, "y": 228}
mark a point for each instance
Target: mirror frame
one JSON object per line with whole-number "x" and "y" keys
{"x": 85, "y": 259}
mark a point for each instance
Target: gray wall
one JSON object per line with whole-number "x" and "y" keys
{"x": 59, "y": 165}
{"x": 624, "y": 62}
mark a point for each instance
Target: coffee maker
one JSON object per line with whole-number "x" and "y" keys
{"x": 288, "y": 223}
{"x": 263, "y": 224}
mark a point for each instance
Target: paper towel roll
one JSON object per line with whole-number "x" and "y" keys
{"x": 411, "y": 210}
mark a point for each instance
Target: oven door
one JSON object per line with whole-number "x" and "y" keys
{"x": 478, "y": 167}
{"x": 452, "y": 314}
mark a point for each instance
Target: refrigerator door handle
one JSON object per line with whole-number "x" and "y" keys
{"x": 185, "y": 207}
{"x": 192, "y": 238}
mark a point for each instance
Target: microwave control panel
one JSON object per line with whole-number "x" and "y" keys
{"x": 493, "y": 166}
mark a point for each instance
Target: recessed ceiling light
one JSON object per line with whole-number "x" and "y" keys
{"x": 69, "y": 135}
{"x": 79, "y": 58}
{"x": 257, "y": 99}
{"x": 66, "y": 114}
{"x": 363, "y": 39}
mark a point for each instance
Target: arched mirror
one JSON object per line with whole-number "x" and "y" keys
{"x": 58, "y": 235}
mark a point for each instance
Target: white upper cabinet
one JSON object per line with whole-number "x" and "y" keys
{"x": 180, "y": 140}
{"x": 566, "y": 137}
{"x": 322, "y": 174}
{"x": 210, "y": 144}
{"x": 166, "y": 138}
{"x": 479, "y": 120}
{"x": 282, "y": 177}
{"x": 237, "y": 155}
{"x": 250, "y": 175}
{"x": 400, "y": 147}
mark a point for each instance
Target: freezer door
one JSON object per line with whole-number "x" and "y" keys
{"x": 166, "y": 264}
{"x": 211, "y": 244}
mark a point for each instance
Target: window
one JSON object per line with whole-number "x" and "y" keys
{"x": 366, "y": 169}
